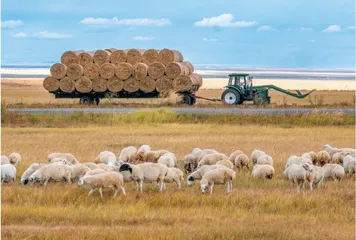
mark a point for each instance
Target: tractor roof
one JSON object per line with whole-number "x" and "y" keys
{"x": 238, "y": 74}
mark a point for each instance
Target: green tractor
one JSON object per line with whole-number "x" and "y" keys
{"x": 240, "y": 89}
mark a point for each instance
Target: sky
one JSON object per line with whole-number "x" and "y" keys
{"x": 248, "y": 33}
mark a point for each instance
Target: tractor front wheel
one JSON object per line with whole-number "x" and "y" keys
{"x": 231, "y": 96}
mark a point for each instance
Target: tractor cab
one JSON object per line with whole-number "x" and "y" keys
{"x": 242, "y": 81}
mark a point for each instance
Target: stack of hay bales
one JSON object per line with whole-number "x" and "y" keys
{"x": 115, "y": 70}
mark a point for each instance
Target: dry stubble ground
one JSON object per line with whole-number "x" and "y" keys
{"x": 254, "y": 210}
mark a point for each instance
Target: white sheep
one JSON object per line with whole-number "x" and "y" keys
{"x": 127, "y": 153}
{"x": 168, "y": 159}
{"x": 8, "y": 173}
{"x": 78, "y": 171}
{"x": 304, "y": 159}
{"x": 334, "y": 171}
{"x": 226, "y": 163}
{"x": 217, "y": 176}
{"x": 104, "y": 166}
{"x": 143, "y": 149}
{"x": 241, "y": 161}
{"x": 265, "y": 160}
{"x": 262, "y": 171}
{"x": 211, "y": 159}
{"x": 331, "y": 150}
{"x": 62, "y": 160}
{"x": 349, "y": 164}
{"x": 337, "y": 158}
{"x": 308, "y": 158}
{"x": 191, "y": 160}
{"x": 54, "y": 171}
{"x": 315, "y": 177}
{"x": 68, "y": 156}
{"x": 15, "y": 158}
{"x": 256, "y": 154}
{"x": 90, "y": 165}
{"x": 104, "y": 180}
{"x": 234, "y": 154}
{"x": 106, "y": 157}
{"x": 323, "y": 157}
{"x": 5, "y": 160}
{"x": 95, "y": 171}
{"x": 146, "y": 172}
{"x": 199, "y": 173}
{"x": 297, "y": 174}
{"x": 31, "y": 169}
{"x": 174, "y": 174}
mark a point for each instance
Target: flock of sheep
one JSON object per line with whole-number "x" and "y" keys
{"x": 144, "y": 165}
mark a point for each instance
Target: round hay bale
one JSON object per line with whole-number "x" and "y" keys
{"x": 198, "y": 78}
{"x": 118, "y": 56}
{"x": 134, "y": 56}
{"x": 101, "y": 57}
{"x": 92, "y": 70}
{"x": 107, "y": 70}
{"x": 115, "y": 85}
{"x": 190, "y": 67}
{"x": 150, "y": 56}
{"x": 147, "y": 85}
{"x": 140, "y": 71}
{"x": 110, "y": 50}
{"x": 164, "y": 84}
{"x": 70, "y": 57}
{"x": 83, "y": 85}
{"x": 51, "y": 84}
{"x": 124, "y": 70}
{"x": 156, "y": 70}
{"x": 99, "y": 84}
{"x": 75, "y": 71}
{"x": 183, "y": 83}
{"x": 131, "y": 85}
{"x": 67, "y": 85}
{"x": 58, "y": 70}
{"x": 176, "y": 69}
{"x": 167, "y": 56}
{"x": 86, "y": 58}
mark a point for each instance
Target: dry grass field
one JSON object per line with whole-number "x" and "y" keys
{"x": 254, "y": 210}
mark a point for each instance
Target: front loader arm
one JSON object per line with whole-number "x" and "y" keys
{"x": 298, "y": 94}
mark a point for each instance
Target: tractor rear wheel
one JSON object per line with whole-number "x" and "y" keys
{"x": 86, "y": 100}
{"x": 231, "y": 96}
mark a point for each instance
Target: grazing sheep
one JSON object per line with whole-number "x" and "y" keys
{"x": 61, "y": 160}
{"x": 168, "y": 159}
{"x": 211, "y": 159}
{"x": 174, "y": 174}
{"x": 90, "y": 165}
{"x": 323, "y": 158}
{"x": 316, "y": 177}
{"x": 54, "y": 171}
{"x": 265, "y": 159}
{"x": 78, "y": 171}
{"x": 5, "y": 160}
{"x": 255, "y": 155}
{"x": 334, "y": 171}
{"x": 195, "y": 151}
{"x": 226, "y": 163}
{"x": 15, "y": 158}
{"x": 95, "y": 171}
{"x": 297, "y": 174}
{"x": 337, "y": 158}
{"x": 104, "y": 166}
{"x": 153, "y": 156}
{"x": 331, "y": 150}
{"x": 106, "y": 157}
{"x": 305, "y": 159}
{"x": 241, "y": 161}
{"x": 143, "y": 149}
{"x": 262, "y": 171}
{"x": 127, "y": 153}
{"x": 190, "y": 163}
{"x": 31, "y": 169}
{"x": 138, "y": 157}
{"x": 217, "y": 176}
{"x": 351, "y": 168}
{"x": 199, "y": 173}
{"x": 104, "y": 180}
{"x": 146, "y": 172}
{"x": 234, "y": 154}
{"x": 349, "y": 164}
{"x": 68, "y": 156}
{"x": 200, "y": 154}
{"x": 313, "y": 156}
{"x": 8, "y": 173}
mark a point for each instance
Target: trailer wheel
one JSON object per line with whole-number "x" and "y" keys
{"x": 86, "y": 100}
{"x": 187, "y": 99}
{"x": 193, "y": 100}
{"x": 97, "y": 101}
{"x": 231, "y": 96}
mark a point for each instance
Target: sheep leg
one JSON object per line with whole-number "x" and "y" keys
{"x": 141, "y": 185}
{"x": 161, "y": 185}
{"x": 137, "y": 186}
{"x": 178, "y": 184}
{"x": 91, "y": 191}
{"x": 311, "y": 185}
{"x": 230, "y": 186}
{"x": 116, "y": 191}
{"x": 123, "y": 191}
{"x": 45, "y": 183}
{"x": 211, "y": 188}
{"x": 101, "y": 193}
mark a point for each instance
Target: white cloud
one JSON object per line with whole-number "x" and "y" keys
{"x": 351, "y": 28}
{"x": 19, "y": 35}
{"x": 143, "y": 38}
{"x": 50, "y": 35}
{"x": 312, "y": 41}
{"x": 224, "y": 20}
{"x": 127, "y": 22}
{"x": 266, "y": 28}
{"x": 303, "y": 29}
{"x": 332, "y": 28}
{"x": 209, "y": 39}
{"x": 11, "y": 23}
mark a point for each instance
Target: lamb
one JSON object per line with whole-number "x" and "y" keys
{"x": 262, "y": 171}
{"x": 78, "y": 171}
{"x": 106, "y": 157}
{"x": 90, "y": 165}
{"x": 8, "y": 173}
{"x": 211, "y": 159}
{"x": 146, "y": 172}
{"x": 334, "y": 171}
{"x": 15, "y": 158}
{"x": 349, "y": 164}
{"x": 323, "y": 158}
{"x": 31, "y": 169}
{"x": 127, "y": 153}
{"x": 241, "y": 161}
{"x": 174, "y": 174}
{"x": 199, "y": 173}
{"x": 255, "y": 155}
{"x": 337, "y": 158}
{"x": 226, "y": 163}
{"x": 234, "y": 154}
{"x": 54, "y": 171}
{"x": 217, "y": 176}
{"x": 5, "y": 160}
{"x": 297, "y": 174}
{"x": 68, "y": 156}
{"x": 264, "y": 159}
{"x": 104, "y": 180}
{"x": 168, "y": 159}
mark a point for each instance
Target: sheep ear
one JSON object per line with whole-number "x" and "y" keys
{"x": 305, "y": 167}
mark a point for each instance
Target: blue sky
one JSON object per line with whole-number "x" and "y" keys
{"x": 256, "y": 33}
